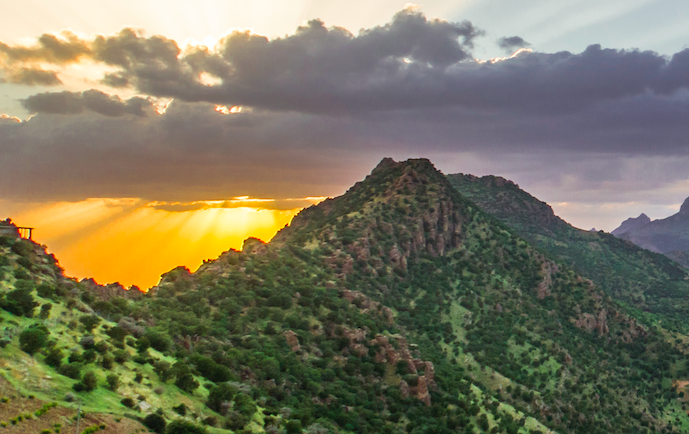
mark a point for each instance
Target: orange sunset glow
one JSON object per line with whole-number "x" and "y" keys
{"x": 134, "y": 242}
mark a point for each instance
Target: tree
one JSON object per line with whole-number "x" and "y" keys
{"x": 45, "y": 311}
{"x": 293, "y": 427}
{"x": 54, "y": 357}
{"x": 90, "y": 322}
{"x": 113, "y": 381}
{"x": 155, "y": 422}
{"x": 222, "y": 393}
{"x": 187, "y": 383}
{"x": 162, "y": 369}
{"x": 33, "y": 339}
{"x": 89, "y": 381}
{"x": 20, "y": 302}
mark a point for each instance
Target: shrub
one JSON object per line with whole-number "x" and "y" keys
{"x": 121, "y": 356}
{"x": 90, "y": 322}
{"x": 180, "y": 409}
{"x": 222, "y": 393}
{"x": 45, "y": 311}
{"x": 71, "y": 370}
{"x": 128, "y": 402}
{"x": 293, "y": 427}
{"x": 33, "y": 339}
{"x": 113, "y": 381}
{"x": 180, "y": 426}
{"x": 20, "y": 302}
{"x": 45, "y": 290}
{"x": 155, "y": 422}
{"x": 54, "y": 357}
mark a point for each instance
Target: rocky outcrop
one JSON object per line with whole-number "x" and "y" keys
{"x": 111, "y": 290}
{"x": 387, "y": 353}
{"x": 548, "y": 268}
{"x": 292, "y": 340}
{"x": 589, "y": 322}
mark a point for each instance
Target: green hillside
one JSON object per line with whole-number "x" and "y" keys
{"x": 655, "y": 286}
{"x": 399, "y": 307}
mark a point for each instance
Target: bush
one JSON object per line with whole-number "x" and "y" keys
{"x": 155, "y": 422}
{"x": 88, "y": 383}
{"x": 222, "y": 393}
{"x": 293, "y": 427}
{"x": 121, "y": 356}
{"x": 180, "y": 426}
{"x": 128, "y": 402}
{"x": 106, "y": 362}
{"x": 90, "y": 322}
{"x": 54, "y": 357}
{"x": 180, "y": 409}
{"x": 45, "y": 311}
{"x": 20, "y": 302}
{"x": 113, "y": 381}
{"x": 71, "y": 370}
{"x": 45, "y": 290}
{"x": 33, "y": 339}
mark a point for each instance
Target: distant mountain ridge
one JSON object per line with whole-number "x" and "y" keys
{"x": 669, "y": 236}
{"x": 631, "y": 224}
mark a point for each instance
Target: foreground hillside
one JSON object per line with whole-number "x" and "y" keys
{"x": 397, "y": 307}
{"x": 649, "y": 282}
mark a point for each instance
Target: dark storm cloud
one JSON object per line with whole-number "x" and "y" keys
{"x": 512, "y": 43}
{"x": 321, "y": 106}
{"x": 66, "y": 103}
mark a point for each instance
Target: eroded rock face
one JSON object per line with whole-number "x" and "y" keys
{"x": 424, "y": 369}
{"x": 548, "y": 268}
{"x": 292, "y": 340}
{"x": 590, "y": 323}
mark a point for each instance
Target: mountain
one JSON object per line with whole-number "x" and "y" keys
{"x": 662, "y": 236}
{"x": 631, "y": 224}
{"x": 398, "y": 307}
{"x": 649, "y": 282}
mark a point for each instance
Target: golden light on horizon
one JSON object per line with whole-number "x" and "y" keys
{"x": 134, "y": 242}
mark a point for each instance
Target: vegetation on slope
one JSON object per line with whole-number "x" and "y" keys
{"x": 649, "y": 282}
{"x": 397, "y": 307}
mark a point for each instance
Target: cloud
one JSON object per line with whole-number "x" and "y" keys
{"x": 54, "y": 49}
{"x": 322, "y": 105}
{"x": 34, "y": 77}
{"x": 512, "y": 43}
{"x": 66, "y": 103}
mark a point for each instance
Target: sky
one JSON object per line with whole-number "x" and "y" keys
{"x": 147, "y": 135}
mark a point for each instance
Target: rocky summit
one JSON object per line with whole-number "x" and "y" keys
{"x": 413, "y": 303}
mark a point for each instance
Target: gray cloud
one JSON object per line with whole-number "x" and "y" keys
{"x": 323, "y": 105}
{"x": 33, "y": 77}
{"x": 512, "y": 43}
{"x": 66, "y": 103}
{"x": 49, "y": 49}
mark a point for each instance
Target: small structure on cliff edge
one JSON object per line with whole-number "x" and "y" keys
{"x": 9, "y": 229}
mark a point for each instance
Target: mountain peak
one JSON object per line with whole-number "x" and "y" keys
{"x": 384, "y": 164}
{"x": 632, "y": 224}
{"x": 684, "y": 209}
